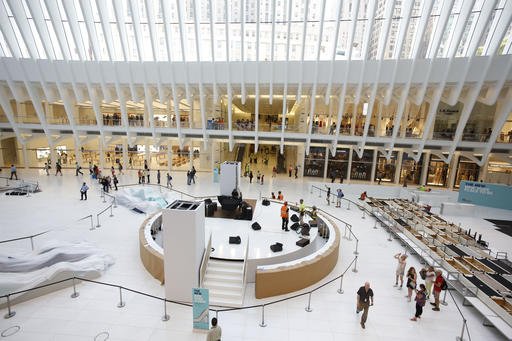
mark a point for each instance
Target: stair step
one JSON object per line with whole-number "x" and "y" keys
{"x": 225, "y": 303}
{"x": 225, "y": 294}
{"x": 222, "y": 271}
{"x": 222, "y": 275}
{"x": 225, "y": 264}
{"x": 213, "y": 284}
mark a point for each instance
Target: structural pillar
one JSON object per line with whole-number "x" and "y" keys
{"x": 349, "y": 168}
{"x": 374, "y": 165}
{"x": 125, "y": 154}
{"x": 452, "y": 170}
{"x": 424, "y": 169}
{"x": 398, "y": 167}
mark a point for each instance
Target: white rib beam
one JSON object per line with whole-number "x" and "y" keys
{"x": 91, "y": 29}
{"x": 315, "y": 82}
{"x": 333, "y": 56}
{"x": 136, "y": 26}
{"x": 257, "y": 85}
{"x": 427, "y": 8}
{"x": 380, "y": 56}
{"x": 121, "y": 27}
{"x": 56, "y": 19}
{"x": 366, "y": 42}
{"x": 8, "y": 33}
{"x": 152, "y": 27}
{"x": 197, "y": 16}
{"x": 483, "y": 19}
{"x": 105, "y": 24}
{"x": 242, "y": 51}
{"x": 502, "y": 117}
{"x": 272, "y": 48}
{"x": 37, "y": 14}
{"x": 69, "y": 7}
{"x": 212, "y": 46}
{"x": 344, "y": 85}
{"x": 500, "y": 32}
{"x": 404, "y": 24}
{"x": 434, "y": 47}
{"x": 304, "y": 30}
{"x": 21, "y": 19}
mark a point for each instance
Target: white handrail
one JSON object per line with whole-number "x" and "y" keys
{"x": 204, "y": 261}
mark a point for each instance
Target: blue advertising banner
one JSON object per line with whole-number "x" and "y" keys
{"x": 200, "y": 308}
{"x": 485, "y": 194}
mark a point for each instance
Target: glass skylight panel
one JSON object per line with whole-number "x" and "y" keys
{"x": 116, "y": 41}
{"x": 6, "y": 52}
{"x": 39, "y": 44}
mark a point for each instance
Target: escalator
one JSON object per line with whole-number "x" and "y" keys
{"x": 240, "y": 152}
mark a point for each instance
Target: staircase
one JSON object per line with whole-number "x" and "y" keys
{"x": 225, "y": 281}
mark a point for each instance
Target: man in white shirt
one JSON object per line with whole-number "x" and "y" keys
{"x": 215, "y": 333}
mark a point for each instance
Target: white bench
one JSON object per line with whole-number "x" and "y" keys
{"x": 490, "y": 317}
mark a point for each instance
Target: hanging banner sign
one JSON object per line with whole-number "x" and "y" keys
{"x": 200, "y": 308}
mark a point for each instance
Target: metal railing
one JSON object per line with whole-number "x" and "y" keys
{"x": 28, "y": 187}
{"x": 165, "y": 317}
{"x": 333, "y": 197}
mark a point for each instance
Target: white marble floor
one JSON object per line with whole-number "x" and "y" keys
{"x": 56, "y": 316}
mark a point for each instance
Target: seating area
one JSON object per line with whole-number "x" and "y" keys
{"x": 484, "y": 280}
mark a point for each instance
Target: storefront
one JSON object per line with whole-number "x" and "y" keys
{"x": 314, "y": 163}
{"x": 362, "y": 167}
{"x": 337, "y": 165}
{"x": 411, "y": 170}
{"x": 499, "y": 171}
{"x": 466, "y": 170}
{"x": 437, "y": 172}
{"x": 386, "y": 169}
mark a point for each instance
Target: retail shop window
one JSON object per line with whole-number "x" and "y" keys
{"x": 437, "y": 172}
{"x": 411, "y": 170}
{"x": 386, "y": 169}
{"x": 337, "y": 165}
{"x": 362, "y": 167}
{"x": 466, "y": 170}
{"x": 314, "y": 163}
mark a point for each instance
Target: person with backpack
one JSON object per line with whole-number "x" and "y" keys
{"x": 439, "y": 284}
{"x": 339, "y": 196}
{"x": 421, "y": 299}
{"x": 169, "y": 178}
{"x": 83, "y": 191}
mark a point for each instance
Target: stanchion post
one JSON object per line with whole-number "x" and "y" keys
{"x": 363, "y": 217}
{"x": 111, "y": 214}
{"x": 10, "y": 313}
{"x": 340, "y": 290}
{"x": 98, "y": 220}
{"x": 444, "y": 298}
{"x": 217, "y": 314}
{"x": 348, "y": 206}
{"x": 121, "y": 303}
{"x": 356, "y": 252}
{"x": 349, "y": 235}
{"x": 92, "y": 223}
{"x": 75, "y": 293}
{"x": 375, "y": 225}
{"x": 308, "y": 308}
{"x": 345, "y": 233}
{"x": 263, "y": 324}
{"x": 355, "y": 265}
{"x": 115, "y": 202}
{"x": 319, "y": 193}
{"x": 461, "y": 337}
{"x": 104, "y": 200}
{"x": 311, "y": 190}
{"x": 32, "y": 242}
{"x": 389, "y": 235}
{"x": 166, "y": 316}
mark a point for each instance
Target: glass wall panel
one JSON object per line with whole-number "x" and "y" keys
{"x": 314, "y": 163}
{"x": 362, "y": 167}
{"x": 411, "y": 170}
{"x": 437, "y": 172}
{"x": 337, "y": 165}
{"x": 447, "y": 118}
{"x": 466, "y": 170}
{"x": 386, "y": 169}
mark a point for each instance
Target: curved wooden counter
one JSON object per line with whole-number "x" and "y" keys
{"x": 299, "y": 275}
{"x": 152, "y": 260}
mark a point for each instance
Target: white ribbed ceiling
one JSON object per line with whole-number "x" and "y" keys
{"x": 248, "y": 30}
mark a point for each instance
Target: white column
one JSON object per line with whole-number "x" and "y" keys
{"x": 300, "y": 159}
{"x": 125, "y": 154}
{"x": 349, "y": 168}
{"x": 25, "y": 156}
{"x": 424, "y": 169}
{"x": 147, "y": 153}
{"x": 169, "y": 156}
{"x": 374, "y": 165}
{"x": 482, "y": 174}
{"x": 452, "y": 171}
{"x": 102, "y": 155}
{"x": 326, "y": 153}
{"x": 398, "y": 167}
